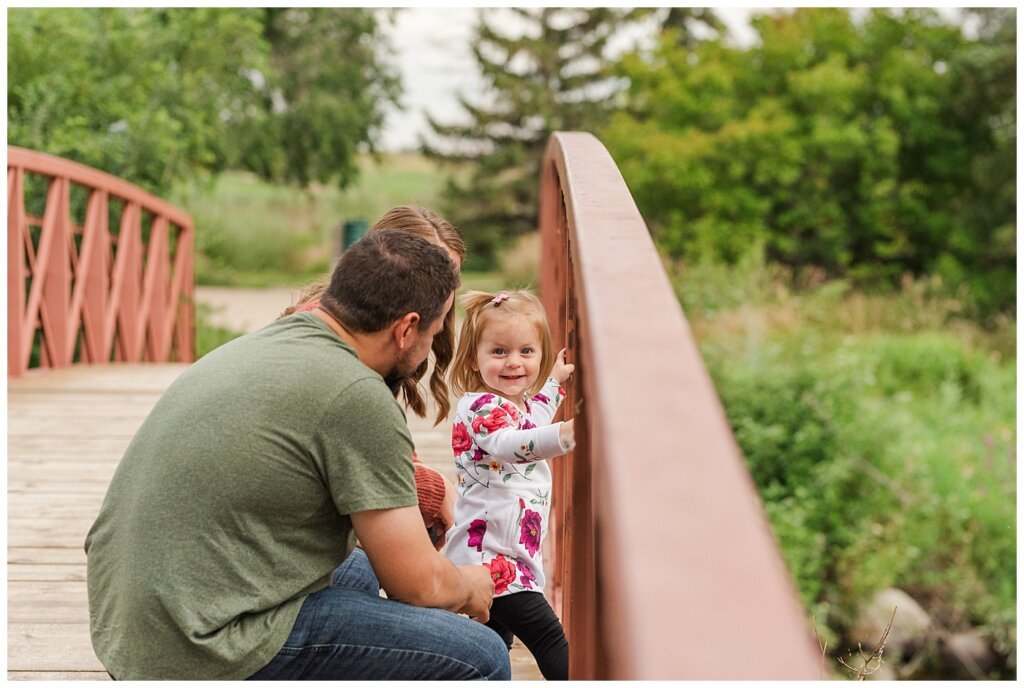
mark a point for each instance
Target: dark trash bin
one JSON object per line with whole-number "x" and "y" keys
{"x": 352, "y": 231}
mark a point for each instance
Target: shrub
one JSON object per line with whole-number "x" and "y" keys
{"x": 883, "y": 448}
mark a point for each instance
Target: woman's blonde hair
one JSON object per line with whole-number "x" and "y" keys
{"x": 482, "y": 308}
{"x": 434, "y": 228}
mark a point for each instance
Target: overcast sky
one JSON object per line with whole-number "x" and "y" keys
{"x": 435, "y": 63}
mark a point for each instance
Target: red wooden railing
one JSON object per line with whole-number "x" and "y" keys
{"x": 662, "y": 563}
{"x": 86, "y": 292}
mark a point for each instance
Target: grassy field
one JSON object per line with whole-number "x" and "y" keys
{"x": 252, "y": 233}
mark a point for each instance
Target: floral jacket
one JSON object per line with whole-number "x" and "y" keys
{"x": 503, "y": 485}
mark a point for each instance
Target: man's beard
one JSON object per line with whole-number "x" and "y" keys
{"x": 401, "y": 372}
{"x": 394, "y": 380}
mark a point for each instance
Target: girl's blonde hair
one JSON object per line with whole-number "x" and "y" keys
{"x": 434, "y": 228}
{"x": 481, "y": 309}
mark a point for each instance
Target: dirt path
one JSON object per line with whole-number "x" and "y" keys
{"x": 245, "y": 310}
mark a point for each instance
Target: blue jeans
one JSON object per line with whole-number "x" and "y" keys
{"x": 347, "y": 631}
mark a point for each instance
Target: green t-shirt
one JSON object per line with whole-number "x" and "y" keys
{"x": 232, "y": 503}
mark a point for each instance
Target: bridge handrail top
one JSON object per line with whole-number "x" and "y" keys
{"x": 619, "y": 264}
{"x": 628, "y": 308}
{"x": 55, "y": 166}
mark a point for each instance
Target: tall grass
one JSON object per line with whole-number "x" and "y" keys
{"x": 880, "y": 429}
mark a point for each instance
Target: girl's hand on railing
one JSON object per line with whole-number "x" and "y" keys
{"x": 567, "y": 436}
{"x": 561, "y": 370}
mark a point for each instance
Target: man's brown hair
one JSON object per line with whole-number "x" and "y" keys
{"x": 386, "y": 275}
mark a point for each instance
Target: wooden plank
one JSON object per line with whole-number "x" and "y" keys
{"x": 59, "y": 471}
{"x": 50, "y": 647}
{"x": 39, "y": 505}
{"x": 35, "y": 473}
{"x": 96, "y": 452}
{"x": 67, "y": 420}
{"x": 46, "y": 572}
{"x": 47, "y": 532}
{"x": 56, "y": 485}
{"x": 44, "y": 555}
{"x": 114, "y": 377}
{"x": 58, "y": 676}
{"x": 47, "y": 602}
{"x": 65, "y": 445}
{"x": 107, "y": 400}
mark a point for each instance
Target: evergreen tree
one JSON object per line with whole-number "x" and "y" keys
{"x": 685, "y": 19}
{"x": 554, "y": 77}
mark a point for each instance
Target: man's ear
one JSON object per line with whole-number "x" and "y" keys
{"x": 404, "y": 330}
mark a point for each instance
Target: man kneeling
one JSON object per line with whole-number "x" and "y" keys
{"x": 224, "y": 547}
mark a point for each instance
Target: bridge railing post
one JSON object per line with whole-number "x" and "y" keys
{"x": 662, "y": 564}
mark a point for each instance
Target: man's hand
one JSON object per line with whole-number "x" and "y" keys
{"x": 561, "y": 370}
{"x": 409, "y": 569}
{"x": 481, "y": 586}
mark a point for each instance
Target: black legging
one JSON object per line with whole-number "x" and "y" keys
{"x": 529, "y": 617}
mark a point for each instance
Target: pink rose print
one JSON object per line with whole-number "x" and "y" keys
{"x": 526, "y": 403}
{"x": 561, "y": 391}
{"x": 526, "y": 577}
{"x": 482, "y": 401}
{"x": 497, "y": 420}
{"x": 511, "y": 410}
{"x": 527, "y": 425}
{"x": 502, "y": 573}
{"x": 541, "y": 398}
{"x": 479, "y": 454}
{"x": 460, "y": 439}
{"x": 476, "y": 533}
{"x": 529, "y": 531}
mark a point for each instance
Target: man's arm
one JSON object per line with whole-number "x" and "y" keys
{"x": 411, "y": 571}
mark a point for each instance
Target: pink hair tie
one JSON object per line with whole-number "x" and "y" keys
{"x": 503, "y": 296}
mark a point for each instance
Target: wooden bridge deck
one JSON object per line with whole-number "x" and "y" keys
{"x": 67, "y": 430}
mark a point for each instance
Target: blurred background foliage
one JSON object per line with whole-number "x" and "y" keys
{"x": 835, "y": 204}
{"x": 163, "y": 96}
{"x": 866, "y": 149}
{"x": 880, "y": 430}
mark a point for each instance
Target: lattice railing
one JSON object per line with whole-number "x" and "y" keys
{"x": 98, "y": 270}
{"x": 662, "y": 564}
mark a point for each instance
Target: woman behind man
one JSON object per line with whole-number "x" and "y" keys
{"x": 436, "y": 494}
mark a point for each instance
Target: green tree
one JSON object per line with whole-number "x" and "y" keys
{"x": 984, "y": 75}
{"x": 146, "y": 94}
{"x": 552, "y": 77}
{"x": 160, "y": 95}
{"x": 849, "y": 146}
{"x": 325, "y": 95}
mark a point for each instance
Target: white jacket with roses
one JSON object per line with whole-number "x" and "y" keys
{"x": 504, "y": 485}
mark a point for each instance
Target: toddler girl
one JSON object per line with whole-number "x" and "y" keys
{"x": 501, "y": 436}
